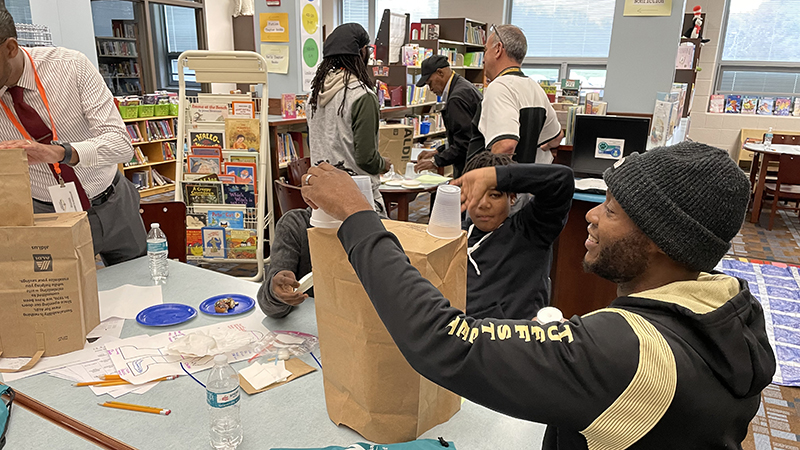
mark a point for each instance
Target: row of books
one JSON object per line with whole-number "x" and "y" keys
{"x": 473, "y": 59}
{"x": 416, "y": 95}
{"x": 435, "y": 120}
{"x": 474, "y": 34}
{"x": 134, "y": 132}
{"x": 293, "y": 106}
{"x": 227, "y": 133}
{"x": 412, "y": 55}
{"x": 146, "y": 179}
{"x": 666, "y": 115}
{"x": 424, "y": 31}
{"x": 117, "y": 48}
{"x": 201, "y": 192}
{"x": 570, "y": 130}
{"x": 125, "y": 68}
{"x": 287, "y": 151}
{"x": 123, "y": 30}
{"x": 138, "y": 159}
{"x": 168, "y": 150}
{"x": 159, "y": 129}
{"x": 221, "y": 242}
{"x": 744, "y": 104}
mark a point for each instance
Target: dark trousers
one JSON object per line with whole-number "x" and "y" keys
{"x": 118, "y": 233}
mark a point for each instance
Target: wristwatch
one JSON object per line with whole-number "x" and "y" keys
{"x": 67, "y": 152}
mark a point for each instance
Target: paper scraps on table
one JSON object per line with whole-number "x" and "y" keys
{"x": 111, "y": 327}
{"x": 127, "y": 300}
{"x": 296, "y": 368}
{"x": 262, "y": 375}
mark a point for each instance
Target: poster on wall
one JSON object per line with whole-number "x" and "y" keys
{"x": 277, "y": 57}
{"x": 310, "y": 40}
{"x": 274, "y": 27}
{"x": 648, "y": 8}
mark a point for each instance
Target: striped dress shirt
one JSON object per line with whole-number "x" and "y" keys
{"x": 84, "y": 114}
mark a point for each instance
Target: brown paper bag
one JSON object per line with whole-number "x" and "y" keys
{"x": 395, "y": 142}
{"x": 15, "y": 186}
{"x": 48, "y": 291}
{"x": 369, "y": 386}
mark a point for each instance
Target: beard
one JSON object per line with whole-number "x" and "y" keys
{"x": 622, "y": 260}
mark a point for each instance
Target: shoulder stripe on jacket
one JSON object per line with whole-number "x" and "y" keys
{"x": 643, "y": 403}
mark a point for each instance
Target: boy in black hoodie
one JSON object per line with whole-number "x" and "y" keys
{"x": 508, "y": 275}
{"x": 677, "y": 361}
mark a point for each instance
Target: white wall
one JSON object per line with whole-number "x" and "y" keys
{"x": 723, "y": 130}
{"x": 70, "y": 22}
{"x": 489, "y": 11}
{"x": 219, "y": 26}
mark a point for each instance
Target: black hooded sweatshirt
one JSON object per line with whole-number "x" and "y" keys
{"x": 679, "y": 367}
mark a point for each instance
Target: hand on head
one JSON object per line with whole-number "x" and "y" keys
{"x": 474, "y": 185}
{"x": 334, "y": 191}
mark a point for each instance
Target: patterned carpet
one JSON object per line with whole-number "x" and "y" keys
{"x": 781, "y": 244}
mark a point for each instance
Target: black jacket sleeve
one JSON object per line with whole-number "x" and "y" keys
{"x": 289, "y": 251}
{"x": 552, "y": 186}
{"x": 560, "y": 374}
{"x": 460, "y": 122}
{"x": 365, "y": 114}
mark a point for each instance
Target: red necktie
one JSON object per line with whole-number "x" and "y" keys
{"x": 39, "y": 130}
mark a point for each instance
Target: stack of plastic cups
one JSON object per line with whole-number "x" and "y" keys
{"x": 364, "y": 183}
{"x": 445, "y": 222}
{"x": 410, "y": 173}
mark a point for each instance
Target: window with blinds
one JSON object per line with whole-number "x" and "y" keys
{"x": 761, "y": 50}
{"x": 565, "y": 28}
{"x": 419, "y": 9}
{"x": 356, "y": 11}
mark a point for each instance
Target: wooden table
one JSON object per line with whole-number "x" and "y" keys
{"x": 403, "y": 196}
{"x": 758, "y": 172}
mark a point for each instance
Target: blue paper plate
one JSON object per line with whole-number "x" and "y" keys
{"x": 245, "y": 304}
{"x": 165, "y": 314}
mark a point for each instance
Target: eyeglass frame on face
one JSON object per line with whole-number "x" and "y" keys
{"x": 497, "y": 33}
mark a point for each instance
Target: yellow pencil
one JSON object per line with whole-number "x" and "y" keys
{"x": 129, "y": 407}
{"x": 120, "y": 382}
{"x": 111, "y": 377}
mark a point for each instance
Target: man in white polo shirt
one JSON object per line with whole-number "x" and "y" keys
{"x": 515, "y": 116}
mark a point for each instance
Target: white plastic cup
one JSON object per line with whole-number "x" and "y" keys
{"x": 410, "y": 173}
{"x": 445, "y": 220}
{"x": 321, "y": 219}
{"x": 364, "y": 183}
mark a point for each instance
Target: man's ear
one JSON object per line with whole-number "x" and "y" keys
{"x": 513, "y": 197}
{"x": 11, "y": 47}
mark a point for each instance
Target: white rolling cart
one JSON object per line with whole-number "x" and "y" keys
{"x": 231, "y": 67}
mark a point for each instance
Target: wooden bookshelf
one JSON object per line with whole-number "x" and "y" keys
{"x": 119, "y": 59}
{"x": 152, "y": 150}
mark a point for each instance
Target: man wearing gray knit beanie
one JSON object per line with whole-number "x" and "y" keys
{"x": 677, "y": 361}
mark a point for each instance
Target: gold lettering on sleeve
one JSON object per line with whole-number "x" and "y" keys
{"x": 538, "y": 333}
{"x": 488, "y": 329}
{"x": 524, "y": 332}
{"x": 567, "y": 333}
{"x": 463, "y": 330}
{"x": 473, "y": 333}
{"x": 503, "y": 332}
{"x": 453, "y": 325}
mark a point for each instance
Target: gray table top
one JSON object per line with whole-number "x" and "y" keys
{"x": 293, "y": 415}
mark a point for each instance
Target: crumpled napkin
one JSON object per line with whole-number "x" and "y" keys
{"x": 214, "y": 342}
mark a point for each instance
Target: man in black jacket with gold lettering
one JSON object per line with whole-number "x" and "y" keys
{"x": 461, "y": 100}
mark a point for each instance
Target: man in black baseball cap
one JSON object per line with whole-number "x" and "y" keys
{"x": 461, "y": 100}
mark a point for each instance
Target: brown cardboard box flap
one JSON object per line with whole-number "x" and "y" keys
{"x": 15, "y": 188}
{"x": 369, "y": 386}
{"x": 395, "y": 142}
{"x": 49, "y": 287}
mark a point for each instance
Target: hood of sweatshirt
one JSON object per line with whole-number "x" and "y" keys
{"x": 719, "y": 318}
{"x": 334, "y": 82}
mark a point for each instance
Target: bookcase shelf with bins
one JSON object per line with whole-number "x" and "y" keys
{"x": 154, "y": 145}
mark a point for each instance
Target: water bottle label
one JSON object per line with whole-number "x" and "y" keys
{"x": 224, "y": 399}
{"x": 156, "y": 247}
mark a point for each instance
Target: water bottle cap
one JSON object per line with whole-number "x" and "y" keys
{"x": 155, "y": 225}
{"x": 221, "y": 359}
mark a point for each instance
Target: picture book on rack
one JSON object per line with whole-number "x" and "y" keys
{"x": 765, "y": 106}
{"x": 749, "y": 105}
{"x": 194, "y": 242}
{"x": 244, "y": 173}
{"x": 240, "y": 194}
{"x": 717, "y": 104}
{"x": 733, "y": 104}
{"x": 243, "y": 134}
{"x": 783, "y": 106}
{"x": 214, "y": 242}
{"x": 203, "y": 164}
{"x": 225, "y": 218}
{"x": 202, "y": 192}
{"x": 241, "y": 243}
{"x": 206, "y": 138}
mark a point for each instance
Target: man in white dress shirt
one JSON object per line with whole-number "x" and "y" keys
{"x": 55, "y": 105}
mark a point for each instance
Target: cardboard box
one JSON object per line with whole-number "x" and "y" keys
{"x": 394, "y": 142}
{"x": 369, "y": 386}
{"x": 15, "y": 186}
{"x": 48, "y": 290}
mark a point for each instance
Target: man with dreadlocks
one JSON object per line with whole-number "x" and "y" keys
{"x": 343, "y": 124}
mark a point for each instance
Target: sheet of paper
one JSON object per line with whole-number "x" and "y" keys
{"x": 127, "y": 300}
{"x": 277, "y": 57}
{"x": 109, "y": 327}
{"x": 262, "y": 375}
{"x": 141, "y": 359}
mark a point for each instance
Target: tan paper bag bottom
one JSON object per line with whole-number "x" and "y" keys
{"x": 369, "y": 386}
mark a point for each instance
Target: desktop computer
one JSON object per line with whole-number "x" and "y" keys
{"x": 601, "y": 141}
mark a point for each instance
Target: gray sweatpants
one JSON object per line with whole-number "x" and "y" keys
{"x": 118, "y": 233}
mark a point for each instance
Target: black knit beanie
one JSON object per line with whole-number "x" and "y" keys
{"x": 689, "y": 198}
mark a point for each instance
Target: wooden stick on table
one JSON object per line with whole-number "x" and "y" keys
{"x": 75, "y": 426}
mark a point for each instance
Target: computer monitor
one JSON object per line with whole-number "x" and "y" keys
{"x": 601, "y": 141}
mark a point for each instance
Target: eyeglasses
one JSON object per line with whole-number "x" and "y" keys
{"x": 497, "y": 33}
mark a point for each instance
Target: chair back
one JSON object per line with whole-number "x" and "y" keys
{"x": 789, "y": 169}
{"x": 171, "y": 217}
{"x": 289, "y": 197}
{"x": 298, "y": 168}
{"x": 788, "y": 139}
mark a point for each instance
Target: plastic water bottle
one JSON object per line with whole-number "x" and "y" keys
{"x": 768, "y": 139}
{"x": 222, "y": 395}
{"x": 157, "y": 253}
